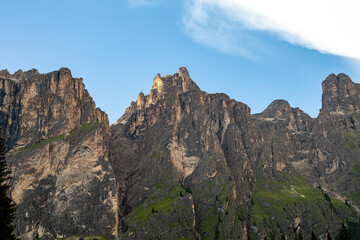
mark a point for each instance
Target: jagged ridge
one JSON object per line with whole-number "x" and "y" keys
{"x": 180, "y": 163}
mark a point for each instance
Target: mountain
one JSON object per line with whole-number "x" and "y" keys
{"x": 180, "y": 163}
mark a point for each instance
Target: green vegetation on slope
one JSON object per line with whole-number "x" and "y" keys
{"x": 145, "y": 210}
{"x": 83, "y": 237}
{"x": 281, "y": 200}
{"x": 40, "y": 144}
{"x": 351, "y": 140}
{"x": 84, "y": 129}
{"x": 170, "y": 213}
{"x": 216, "y": 208}
{"x": 354, "y": 195}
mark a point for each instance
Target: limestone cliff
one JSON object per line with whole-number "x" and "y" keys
{"x": 340, "y": 93}
{"x": 37, "y": 106}
{"x": 58, "y": 144}
{"x": 238, "y": 175}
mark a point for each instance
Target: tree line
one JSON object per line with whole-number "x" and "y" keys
{"x": 7, "y": 206}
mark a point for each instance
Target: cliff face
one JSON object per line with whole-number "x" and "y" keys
{"x": 237, "y": 175}
{"x": 180, "y": 163}
{"x": 168, "y": 148}
{"x": 38, "y": 106}
{"x": 340, "y": 94}
{"x": 58, "y": 152}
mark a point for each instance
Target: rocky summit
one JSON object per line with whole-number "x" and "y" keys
{"x": 180, "y": 163}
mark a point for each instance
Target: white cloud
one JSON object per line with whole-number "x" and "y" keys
{"x": 329, "y": 26}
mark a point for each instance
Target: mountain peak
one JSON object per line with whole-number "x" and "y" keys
{"x": 281, "y": 112}
{"x": 276, "y": 109}
{"x": 340, "y": 94}
{"x": 4, "y": 73}
{"x": 162, "y": 87}
{"x": 158, "y": 83}
{"x": 180, "y": 82}
{"x": 183, "y": 72}
{"x": 141, "y": 100}
{"x": 32, "y": 72}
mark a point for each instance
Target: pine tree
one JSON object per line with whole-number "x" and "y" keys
{"x": 272, "y": 237}
{"x": 313, "y": 236}
{"x": 344, "y": 233}
{"x": 299, "y": 236}
{"x": 328, "y": 236}
{"x": 7, "y": 206}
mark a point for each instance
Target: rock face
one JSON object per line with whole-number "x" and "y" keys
{"x": 279, "y": 111}
{"x": 340, "y": 94}
{"x": 180, "y": 163}
{"x": 58, "y": 145}
{"x": 37, "y": 106}
{"x": 245, "y": 175}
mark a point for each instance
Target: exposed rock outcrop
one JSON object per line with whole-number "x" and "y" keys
{"x": 58, "y": 145}
{"x": 292, "y": 118}
{"x": 37, "y": 106}
{"x": 340, "y": 94}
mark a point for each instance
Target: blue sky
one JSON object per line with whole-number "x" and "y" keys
{"x": 119, "y": 46}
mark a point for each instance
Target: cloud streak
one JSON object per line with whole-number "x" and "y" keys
{"x": 328, "y": 26}
{"x": 141, "y": 3}
{"x": 204, "y": 24}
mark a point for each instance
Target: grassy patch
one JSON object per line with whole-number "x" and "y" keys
{"x": 86, "y": 128}
{"x": 160, "y": 154}
{"x": 219, "y": 212}
{"x": 141, "y": 213}
{"x": 277, "y": 198}
{"x": 351, "y": 140}
{"x": 273, "y": 197}
{"x": 83, "y": 129}
{"x": 82, "y": 237}
{"x": 40, "y": 144}
{"x": 354, "y": 193}
{"x": 210, "y": 222}
{"x": 338, "y": 205}
{"x": 354, "y": 196}
{"x": 288, "y": 190}
{"x": 252, "y": 236}
{"x": 356, "y": 171}
{"x": 163, "y": 184}
{"x": 242, "y": 215}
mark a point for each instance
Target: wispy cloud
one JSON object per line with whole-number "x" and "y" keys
{"x": 205, "y": 24}
{"x": 141, "y": 3}
{"x": 328, "y": 26}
